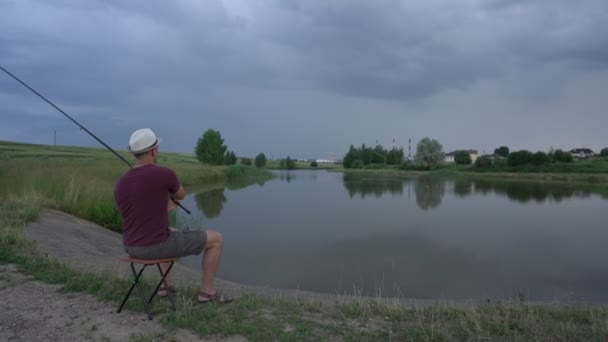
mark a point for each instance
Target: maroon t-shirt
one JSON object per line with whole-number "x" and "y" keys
{"x": 142, "y": 195}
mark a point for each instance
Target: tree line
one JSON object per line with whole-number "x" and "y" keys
{"x": 523, "y": 158}
{"x": 357, "y": 158}
{"x": 210, "y": 150}
{"x": 429, "y": 155}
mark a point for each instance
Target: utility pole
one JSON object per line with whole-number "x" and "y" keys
{"x": 55, "y": 138}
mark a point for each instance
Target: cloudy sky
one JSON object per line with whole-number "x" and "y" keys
{"x": 307, "y": 78}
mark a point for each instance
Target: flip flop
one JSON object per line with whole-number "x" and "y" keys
{"x": 216, "y": 297}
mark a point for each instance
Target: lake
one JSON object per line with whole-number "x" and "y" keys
{"x": 411, "y": 236}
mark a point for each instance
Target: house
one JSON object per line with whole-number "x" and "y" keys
{"x": 581, "y": 153}
{"x": 325, "y": 161}
{"x": 449, "y": 157}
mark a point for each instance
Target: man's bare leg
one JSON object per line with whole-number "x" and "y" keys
{"x": 211, "y": 260}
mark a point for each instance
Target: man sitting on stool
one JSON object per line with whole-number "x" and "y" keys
{"x": 145, "y": 194}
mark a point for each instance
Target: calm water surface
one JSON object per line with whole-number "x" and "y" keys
{"x": 422, "y": 237}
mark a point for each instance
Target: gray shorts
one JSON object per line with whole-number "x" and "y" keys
{"x": 180, "y": 243}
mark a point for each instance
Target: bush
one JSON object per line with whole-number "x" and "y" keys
{"x": 374, "y": 166}
{"x": 562, "y": 157}
{"x": 314, "y": 163}
{"x": 462, "y": 158}
{"x": 246, "y": 161}
{"x": 357, "y": 164}
{"x": 518, "y": 158}
{"x": 539, "y": 158}
{"x": 230, "y": 158}
{"x": 483, "y": 162}
{"x": 289, "y": 164}
{"x": 406, "y": 165}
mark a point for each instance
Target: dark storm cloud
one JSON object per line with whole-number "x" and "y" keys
{"x": 206, "y": 61}
{"x": 385, "y": 49}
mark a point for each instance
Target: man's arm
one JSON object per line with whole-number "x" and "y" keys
{"x": 175, "y": 198}
{"x": 179, "y": 194}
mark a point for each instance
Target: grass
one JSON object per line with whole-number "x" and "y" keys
{"x": 80, "y": 181}
{"x": 28, "y": 184}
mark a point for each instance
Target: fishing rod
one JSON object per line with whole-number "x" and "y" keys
{"x": 79, "y": 125}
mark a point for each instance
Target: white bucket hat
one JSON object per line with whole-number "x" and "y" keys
{"x": 143, "y": 140}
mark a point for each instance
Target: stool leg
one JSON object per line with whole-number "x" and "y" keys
{"x": 164, "y": 282}
{"x": 136, "y": 283}
{"x": 135, "y": 280}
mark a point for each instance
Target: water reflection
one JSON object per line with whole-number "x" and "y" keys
{"x": 362, "y": 185}
{"x": 418, "y": 236}
{"x": 287, "y": 176}
{"x": 211, "y": 202}
{"x": 524, "y": 192}
{"x": 429, "y": 190}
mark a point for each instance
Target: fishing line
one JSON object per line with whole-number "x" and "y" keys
{"x": 79, "y": 125}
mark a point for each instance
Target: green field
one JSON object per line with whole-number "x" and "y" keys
{"x": 80, "y": 181}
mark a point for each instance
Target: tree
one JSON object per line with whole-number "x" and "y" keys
{"x": 502, "y": 151}
{"x": 394, "y": 156}
{"x": 245, "y": 161}
{"x": 429, "y": 153}
{"x": 314, "y": 163}
{"x": 379, "y": 155}
{"x": 289, "y": 164}
{"x": 483, "y": 162}
{"x": 352, "y": 155}
{"x": 260, "y": 160}
{"x": 210, "y": 148}
{"x": 562, "y": 157}
{"x": 519, "y": 158}
{"x": 462, "y": 157}
{"x": 230, "y": 158}
{"x": 539, "y": 158}
{"x": 604, "y": 152}
{"x": 358, "y": 164}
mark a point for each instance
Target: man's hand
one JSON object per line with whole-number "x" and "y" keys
{"x": 171, "y": 204}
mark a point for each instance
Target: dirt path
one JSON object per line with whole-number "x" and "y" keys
{"x": 35, "y": 311}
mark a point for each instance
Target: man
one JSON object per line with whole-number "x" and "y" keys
{"x": 145, "y": 195}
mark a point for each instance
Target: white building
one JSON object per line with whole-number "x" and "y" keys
{"x": 449, "y": 157}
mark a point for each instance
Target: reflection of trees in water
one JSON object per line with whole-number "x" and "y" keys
{"x": 528, "y": 191}
{"x": 463, "y": 186}
{"x": 211, "y": 202}
{"x": 429, "y": 191}
{"x": 240, "y": 183}
{"x": 287, "y": 177}
{"x": 377, "y": 185}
